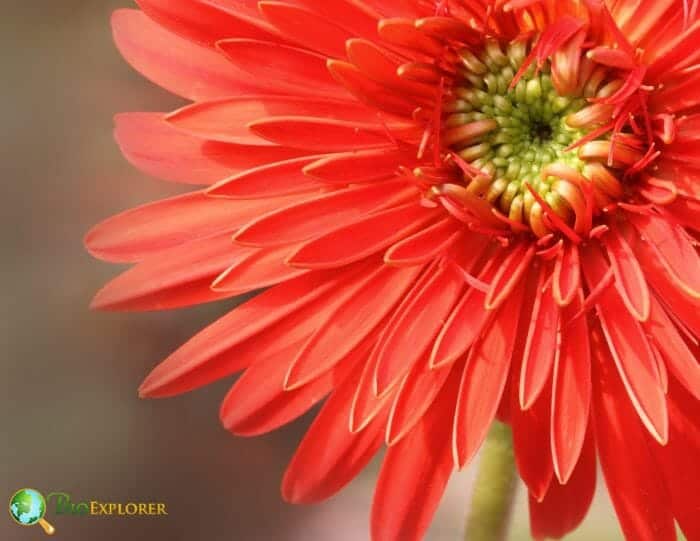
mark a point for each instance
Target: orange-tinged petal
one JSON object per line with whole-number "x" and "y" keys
{"x": 483, "y": 380}
{"x": 571, "y": 393}
{"x": 178, "y": 65}
{"x": 319, "y": 215}
{"x": 541, "y": 344}
{"x": 630, "y": 350}
{"x": 365, "y": 237}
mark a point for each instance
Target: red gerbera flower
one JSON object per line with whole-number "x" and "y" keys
{"x": 463, "y": 210}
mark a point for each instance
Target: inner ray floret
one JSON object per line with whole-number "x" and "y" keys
{"x": 545, "y": 152}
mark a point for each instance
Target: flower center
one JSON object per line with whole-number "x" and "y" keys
{"x": 522, "y": 145}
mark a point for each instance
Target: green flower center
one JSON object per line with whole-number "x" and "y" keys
{"x": 511, "y": 133}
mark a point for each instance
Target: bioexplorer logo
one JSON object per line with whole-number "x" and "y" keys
{"x": 28, "y": 507}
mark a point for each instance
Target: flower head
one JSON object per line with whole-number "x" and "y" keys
{"x": 463, "y": 210}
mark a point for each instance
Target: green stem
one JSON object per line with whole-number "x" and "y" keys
{"x": 494, "y": 493}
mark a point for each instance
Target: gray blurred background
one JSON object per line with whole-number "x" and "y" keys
{"x": 71, "y": 420}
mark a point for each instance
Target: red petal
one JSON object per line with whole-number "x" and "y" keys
{"x": 258, "y": 402}
{"x": 630, "y": 350}
{"x": 321, "y": 134}
{"x": 287, "y": 69}
{"x": 567, "y": 274}
{"x": 178, "y": 277}
{"x": 369, "y": 91}
{"x": 678, "y": 52}
{"x": 679, "y": 460}
{"x": 276, "y": 317}
{"x": 426, "y": 244}
{"x": 142, "y": 232}
{"x": 484, "y": 379}
{"x": 367, "y": 236}
{"x": 261, "y": 267}
{"x": 382, "y": 68}
{"x": 678, "y": 357}
{"x": 229, "y": 119}
{"x": 416, "y": 394}
{"x": 273, "y": 179}
{"x": 509, "y": 275}
{"x": 307, "y": 28}
{"x": 465, "y": 324}
{"x": 629, "y": 277}
{"x": 198, "y": 21}
{"x": 530, "y": 434}
{"x": 541, "y": 344}
{"x": 366, "y": 403}
{"x": 571, "y": 393}
{"x": 673, "y": 249}
{"x": 636, "y": 488}
{"x": 330, "y": 456}
{"x": 174, "y": 63}
{"x": 156, "y": 148}
{"x": 414, "y": 474}
{"x": 565, "y": 506}
{"x": 413, "y": 332}
{"x": 402, "y": 32}
{"x": 360, "y": 310}
{"x": 320, "y": 215}
{"x": 360, "y": 166}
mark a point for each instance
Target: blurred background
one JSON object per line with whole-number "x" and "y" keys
{"x": 71, "y": 420}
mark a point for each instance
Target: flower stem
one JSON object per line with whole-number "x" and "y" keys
{"x": 494, "y": 493}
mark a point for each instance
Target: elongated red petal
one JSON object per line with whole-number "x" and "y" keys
{"x": 155, "y": 147}
{"x": 313, "y": 476}
{"x": 181, "y": 276}
{"x": 464, "y": 325}
{"x": 368, "y": 303}
{"x": 565, "y": 506}
{"x": 287, "y": 69}
{"x": 511, "y": 271}
{"x": 360, "y": 166}
{"x": 425, "y": 245}
{"x": 257, "y": 403}
{"x": 541, "y": 345}
{"x": 484, "y": 379}
{"x": 629, "y": 277}
{"x": 319, "y": 215}
{"x": 259, "y": 268}
{"x": 367, "y": 236}
{"x": 530, "y": 430}
{"x": 144, "y": 231}
{"x": 199, "y": 21}
{"x": 229, "y": 119}
{"x": 567, "y": 274}
{"x": 636, "y": 488}
{"x": 571, "y": 393}
{"x": 673, "y": 249}
{"x": 224, "y": 347}
{"x": 306, "y": 27}
{"x": 414, "y": 474}
{"x": 676, "y": 353}
{"x": 178, "y": 65}
{"x": 413, "y": 333}
{"x": 630, "y": 350}
{"x": 273, "y": 179}
{"x": 678, "y": 460}
{"x": 415, "y": 395}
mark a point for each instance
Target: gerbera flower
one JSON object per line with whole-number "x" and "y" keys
{"x": 462, "y": 210}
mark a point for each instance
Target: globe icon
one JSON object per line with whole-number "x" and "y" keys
{"x": 28, "y": 507}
